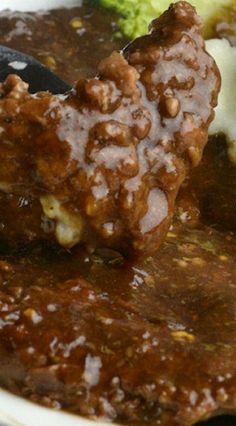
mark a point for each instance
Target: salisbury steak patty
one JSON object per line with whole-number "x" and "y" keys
{"x": 107, "y": 160}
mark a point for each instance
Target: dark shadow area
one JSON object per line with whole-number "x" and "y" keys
{"x": 220, "y": 421}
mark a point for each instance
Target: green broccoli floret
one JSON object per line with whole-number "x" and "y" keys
{"x": 135, "y": 15}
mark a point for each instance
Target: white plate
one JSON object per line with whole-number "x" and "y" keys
{"x": 16, "y": 411}
{"x": 31, "y": 5}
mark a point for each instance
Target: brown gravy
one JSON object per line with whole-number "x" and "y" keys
{"x": 148, "y": 342}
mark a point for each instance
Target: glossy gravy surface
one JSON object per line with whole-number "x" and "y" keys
{"x": 144, "y": 342}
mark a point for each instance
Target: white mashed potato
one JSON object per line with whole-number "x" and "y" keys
{"x": 225, "y": 119}
{"x": 69, "y": 225}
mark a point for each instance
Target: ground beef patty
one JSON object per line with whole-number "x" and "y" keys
{"x": 107, "y": 160}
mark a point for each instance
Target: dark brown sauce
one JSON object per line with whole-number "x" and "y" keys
{"x": 69, "y": 41}
{"x": 135, "y": 343}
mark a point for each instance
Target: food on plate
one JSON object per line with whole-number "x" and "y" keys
{"x": 141, "y": 341}
{"x": 135, "y": 17}
{"x": 137, "y": 14}
{"x": 107, "y": 160}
